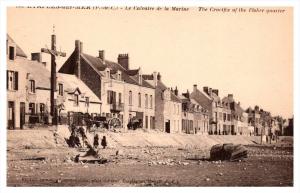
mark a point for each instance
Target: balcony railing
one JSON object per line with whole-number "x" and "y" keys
{"x": 117, "y": 107}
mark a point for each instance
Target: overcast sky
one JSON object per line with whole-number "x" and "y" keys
{"x": 247, "y": 54}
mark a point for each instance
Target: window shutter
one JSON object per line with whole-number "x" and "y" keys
{"x": 16, "y": 80}
{"x": 7, "y": 79}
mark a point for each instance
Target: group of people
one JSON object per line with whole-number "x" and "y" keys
{"x": 77, "y": 132}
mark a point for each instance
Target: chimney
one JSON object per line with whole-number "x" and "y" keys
{"x": 123, "y": 59}
{"x": 176, "y": 91}
{"x": 209, "y": 91}
{"x": 216, "y": 91}
{"x": 205, "y": 89}
{"x": 101, "y": 55}
{"x": 155, "y": 78}
{"x": 78, "y": 51}
{"x": 159, "y": 77}
{"x": 230, "y": 97}
{"x": 195, "y": 88}
{"x": 187, "y": 94}
{"x": 36, "y": 57}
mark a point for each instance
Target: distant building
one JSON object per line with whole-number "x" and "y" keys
{"x": 239, "y": 118}
{"x": 220, "y": 114}
{"x": 167, "y": 105}
{"x": 195, "y": 118}
{"x": 289, "y": 130}
{"x": 254, "y": 120}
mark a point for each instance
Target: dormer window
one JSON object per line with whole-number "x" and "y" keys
{"x": 32, "y": 86}
{"x": 76, "y": 100}
{"x": 87, "y": 101}
{"x": 107, "y": 73}
{"x": 119, "y": 76}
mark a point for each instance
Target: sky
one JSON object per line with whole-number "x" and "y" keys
{"x": 247, "y": 54}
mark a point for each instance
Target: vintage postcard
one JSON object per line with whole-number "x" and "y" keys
{"x": 149, "y": 96}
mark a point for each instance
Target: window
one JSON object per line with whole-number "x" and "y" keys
{"x": 151, "y": 102}
{"x": 228, "y": 117}
{"x": 120, "y": 98}
{"x": 32, "y": 108}
{"x": 76, "y": 100}
{"x": 61, "y": 89}
{"x": 42, "y": 108}
{"x": 12, "y": 80}
{"x": 111, "y": 97}
{"x": 140, "y": 79}
{"x": 32, "y": 86}
{"x": 130, "y": 97}
{"x": 140, "y": 100}
{"x": 146, "y": 119}
{"x": 224, "y": 117}
{"x": 119, "y": 76}
{"x": 11, "y": 52}
{"x": 107, "y": 74}
{"x": 146, "y": 100}
{"x": 87, "y": 101}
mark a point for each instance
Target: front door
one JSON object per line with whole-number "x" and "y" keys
{"x": 11, "y": 115}
{"x": 22, "y": 114}
{"x": 167, "y": 124}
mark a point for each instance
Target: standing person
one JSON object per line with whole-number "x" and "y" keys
{"x": 96, "y": 141}
{"x": 104, "y": 142}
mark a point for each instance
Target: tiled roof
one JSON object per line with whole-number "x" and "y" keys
{"x": 161, "y": 87}
{"x": 38, "y": 71}
{"x": 129, "y": 76}
{"x": 71, "y": 83}
{"x": 19, "y": 51}
{"x": 133, "y": 72}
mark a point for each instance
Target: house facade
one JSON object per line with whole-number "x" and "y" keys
{"x": 28, "y": 91}
{"x": 126, "y": 96}
{"x": 167, "y": 105}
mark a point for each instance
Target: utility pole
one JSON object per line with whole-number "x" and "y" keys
{"x": 54, "y": 53}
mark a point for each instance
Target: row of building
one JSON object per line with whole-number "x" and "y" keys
{"x": 120, "y": 97}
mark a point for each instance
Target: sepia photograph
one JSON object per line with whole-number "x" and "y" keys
{"x": 149, "y": 96}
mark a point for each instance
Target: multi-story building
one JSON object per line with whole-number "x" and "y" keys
{"x": 239, "y": 119}
{"x": 254, "y": 120}
{"x": 220, "y": 114}
{"x": 28, "y": 90}
{"x": 194, "y": 116}
{"x": 167, "y": 105}
{"x": 126, "y": 96}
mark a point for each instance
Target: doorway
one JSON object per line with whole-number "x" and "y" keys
{"x": 11, "y": 115}
{"x": 167, "y": 126}
{"x": 22, "y": 114}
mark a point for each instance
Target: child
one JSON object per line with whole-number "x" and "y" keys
{"x": 103, "y": 142}
{"x": 96, "y": 141}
